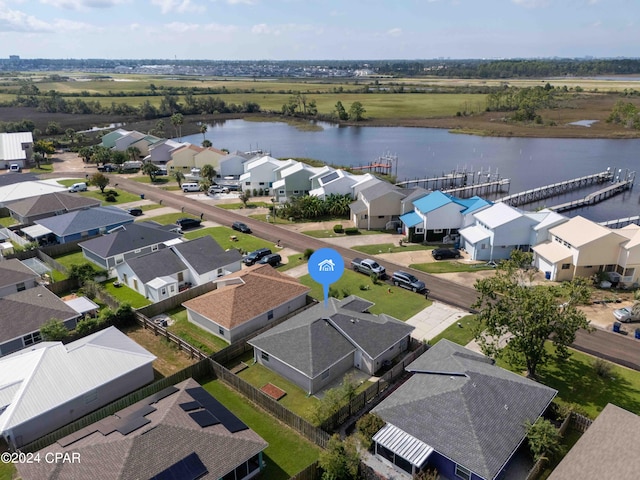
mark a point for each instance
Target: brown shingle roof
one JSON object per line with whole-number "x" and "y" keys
{"x": 263, "y": 289}
{"x": 13, "y": 271}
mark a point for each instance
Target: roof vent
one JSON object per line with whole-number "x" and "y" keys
{"x": 506, "y": 407}
{"x": 39, "y": 294}
{"x": 352, "y": 320}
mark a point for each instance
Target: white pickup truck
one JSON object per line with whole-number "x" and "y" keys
{"x": 368, "y": 267}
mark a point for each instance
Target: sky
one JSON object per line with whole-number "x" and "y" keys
{"x": 319, "y": 29}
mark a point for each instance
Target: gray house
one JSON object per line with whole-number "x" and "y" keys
{"x": 24, "y": 313}
{"x": 51, "y": 384}
{"x": 180, "y": 433}
{"x": 125, "y": 242}
{"x": 319, "y": 345}
{"x": 30, "y": 209}
{"x": 246, "y": 302}
{"x": 459, "y": 414}
{"x": 15, "y": 276}
{"x": 377, "y": 205}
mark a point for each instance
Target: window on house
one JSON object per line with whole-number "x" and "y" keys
{"x": 483, "y": 246}
{"x": 21, "y": 286}
{"x": 437, "y": 230}
{"x": 163, "y": 291}
{"x": 566, "y": 266}
{"x": 462, "y": 472}
{"x": 629, "y": 272}
{"x": 180, "y": 276}
{"x": 264, "y": 356}
{"x": 280, "y": 192}
{"x": 31, "y": 339}
{"x": 296, "y": 192}
{"x": 419, "y": 230}
{"x": 220, "y": 272}
{"x": 135, "y": 284}
{"x": 221, "y": 331}
{"x": 154, "y": 248}
{"x": 269, "y": 314}
{"x": 248, "y": 184}
{"x": 380, "y": 216}
{"x": 119, "y": 259}
{"x": 261, "y": 183}
{"x": 588, "y": 266}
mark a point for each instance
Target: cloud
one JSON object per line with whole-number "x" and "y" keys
{"x": 181, "y": 27}
{"x": 394, "y": 32}
{"x": 264, "y": 29}
{"x": 179, "y": 6}
{"x": 82, "y": 4}
{"x": 241, "y": 2}
{"x": 71, "y": 26}
{"x": 18, "y": 21}
{"x": 531, "y": 3}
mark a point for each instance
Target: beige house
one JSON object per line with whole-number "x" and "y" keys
{"x": 582, "y": 248}
{"x": 192, "y": 156}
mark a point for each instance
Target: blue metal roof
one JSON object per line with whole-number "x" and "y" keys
{"x": 433, "y": 201}
{"x": 473, "y": 204}
{"x": 411, "y": 219}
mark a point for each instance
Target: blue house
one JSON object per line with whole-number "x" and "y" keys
{"x": 78, "y": 225}
{"x": 459, "y": 414}
{"x": 438, "y": 215}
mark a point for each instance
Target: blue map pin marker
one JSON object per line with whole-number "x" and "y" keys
{"x": 326, "y": 267}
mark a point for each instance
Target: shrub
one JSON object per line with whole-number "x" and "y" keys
{"x": 86, "y": 326}
{"x": 54, "y": 331}
{"x": 364, "y": 287}
{"x": 345, "y": 293}
{"x": 307, "y": 253}
{"x": 602, "y": 368}
{"x": 338, "y": 228}
{"x": 544, "y": 439}
{"x": 351, "y": 231}
{"x": 333, "y": 292}
{"x": 367, "y": 426}
{"x": 110, "y": 198}
{"x": 255, "y": 192}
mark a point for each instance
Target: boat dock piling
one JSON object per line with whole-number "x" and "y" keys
{"x": 622, "y": 222}
{"x": 464, "y": 182}
{"x": 621, "y": 184}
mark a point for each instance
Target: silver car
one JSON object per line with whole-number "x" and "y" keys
{"x": 625, "y": 315}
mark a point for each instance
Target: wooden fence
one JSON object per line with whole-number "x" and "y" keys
{"x": 51, "y": 262}
{"x": 158, "y": 330}
{"x": 312, "y": 472}
{"x": 197, "y": 371}
{"x": 175, "y": 301}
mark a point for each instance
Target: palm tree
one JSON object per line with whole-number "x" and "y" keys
{"x": 208, "y": 172}
{"x": 38, "y": 158}
{"x": 177, "y": 120}
{"x": 134, "y": 153}
{"x": 179, "y": 177}
{"x": 203, "y": 131}
{"x": 207, "y": 143}
{"x": 150, "y": 169}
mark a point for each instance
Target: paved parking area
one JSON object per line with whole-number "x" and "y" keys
{"x": 434, "y": 319}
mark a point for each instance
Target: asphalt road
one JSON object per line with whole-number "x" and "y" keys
{"x": 621, "y": 349}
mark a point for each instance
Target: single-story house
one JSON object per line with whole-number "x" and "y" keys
{"x": 245, "y": 302}
{"x": 16, "y": 148}
{"x": 377, "y": 205}
{"x": 319, "y": 345}
{"x": 78, "y": 224}
{"x": 597, "y": 454}
{"x": 30, "y": 209}
{"x": 15, "y": 277}
{"x": 24, "y": 313}
{"x": 127, "y": 241}
{"x": 50, "y": 384}
{"x": 30, "y": 188}
{"x": 166, "y": 272}
{"x": 459, "y": 414}
{"x": 582, "y": 248}
{"x": 439, "y": 215}
{"x": 181, "y": 433}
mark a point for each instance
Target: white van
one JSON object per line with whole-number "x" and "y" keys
{"x": 78, "y": 187}
{"x": 14, "y": 167}
{"x": 191, "y": 187}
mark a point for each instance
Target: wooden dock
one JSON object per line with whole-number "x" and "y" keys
{"x": 540, "y": 193}
{"x": 462, "y": 182}
{"x": 486, "y": 188}
{"x": 597, "y": 197}
{"x": 622, "y": 222}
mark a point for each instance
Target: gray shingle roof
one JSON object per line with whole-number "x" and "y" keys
{"x": 51, "y": 203}
{"x": 26, "y": 311}
{"x": 157, "y": 264}
{"x": 465, "y": 407}
{"x": 381, "y": 189}
{"x": 85, "y": 220}
{"x": 127, "y": 239}
{"x": 204, "y": 254}
{"x": 318, "y": 337}
{"x": 13, "y": 271}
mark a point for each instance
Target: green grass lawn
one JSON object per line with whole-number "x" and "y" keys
{"x": 400, "y": 303}
{"x": 239, "y": 206}
{"x": 460, "y": 335}
{"x": 125, "y": 294}
{"x": 446, "y": 266}
{"x": 7, "y": 471}
{"x": 170, "y": 218}
{"x": 296, "y": 398}
{"x": 223, "y": 235}
{"x": 262, "y": 217}
{"x": 390, "y": 248}
{"x": 332, "y": 234}
{"x": 44, "y": 168}
{"x": 67, "y": 182}
{"x": 162, "y": 180}
{"x": 287, "y": 453}
{"x": 294, "y": 261}
{"x": 151, "y": 206}
{"x": 122, "y": 197}
{"x": 7, "y": 221}
{"x": 75, "y": 258}
{"x": 194, "y": 335}
{"x": 577, "y": 383}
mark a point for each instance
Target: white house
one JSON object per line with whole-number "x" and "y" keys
{"x": 293, "y": 179}
{"x": 329, "y": 181}
{"x": 16, "y": 148}
{"x": 48, "y": 385}
{"x": 260, "y": 173}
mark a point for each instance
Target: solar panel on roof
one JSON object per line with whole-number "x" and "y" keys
{"x": 228, "y": 419}
{"x": 329, "y": 178}
{"x": 162, "y": 394}
{"x": 74, "y": 437}
{"x": 187, "y": 407}
{"x": 132, "y": 424}
{"x": 137, "y": 412}
{"x": 204, "y": 418}
{"x": 189, "y": 468}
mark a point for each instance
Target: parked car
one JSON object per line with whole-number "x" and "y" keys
{"x": 136, "y": 212}
{"x": 187, "y": 223}
{"x": 256, "y": 255}
{"x": 440, "y": 253}
{"x": 368, "y": 267}
{"x": 272, "y": 259}
{"x": 108, "y": 168}
{"x": 241, "y": 227}
{"x": 213, "y": 189}
{"x": 14, "y": 167}
{"x": 625, "y": 315}
{"x": 191, "y": 187}
{"x": 408, "y": 281}
{"x": 78, "y": 187}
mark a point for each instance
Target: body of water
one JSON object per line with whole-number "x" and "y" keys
{"x": 425, "y": 152}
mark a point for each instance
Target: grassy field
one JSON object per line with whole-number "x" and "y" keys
{"x": 287, "y": 453}
{"x": 121, "y": 197}
{"x": 446, "y": 266}
{"x": 391, "y": 248}
{"x": 395, "y": 301}
{"x": 223, "y": 235}
{"x": 170, "y": 218}
{"x": 125, "y": 294}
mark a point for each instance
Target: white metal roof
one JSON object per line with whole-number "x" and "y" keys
{"x": 35, "y": 231}
{"x": 11, "y": 145}
{"x": 81, "y": 305}
{"x": 474, "y": 234}
{"x": 401, "y": 443}
{"x": 38, "y": 379}
{"x": 18, "y": 191}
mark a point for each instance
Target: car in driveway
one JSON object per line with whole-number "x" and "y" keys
{"x": 241, "y": 227}
{"x": 136, "y": 212}
{"x": 187, "y": 223}
{"x": 213, "y": 189}
{"x": 625, "y": 315}
{"x": 272, "y": 259}
{"x": 256, "y": 255}
{"x": 441, "y": 253}
{"x": 408, "y": 281}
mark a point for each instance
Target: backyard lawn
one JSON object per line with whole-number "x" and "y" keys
{"x": 194, "y": 335}
{"x": 223, "y": 235}
{"x": 7, "y": 221}
{"x": 287, "y": 453}
{"x": 125, "y": 294}
{"x": 395, "y": 301}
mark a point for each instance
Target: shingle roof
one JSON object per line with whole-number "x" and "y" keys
{"x": 162, "y": 263}
{"x": 85, "y": 220}
{"x": 204, "y": 254}
{"x": 170, "y": 436}
{"x": 128, "y": 238}
{"x": 597, "y": 454}
{"x": 26, "y": 311}
{"x": 318, "y": 337}
{"x": 465, "y": 407}
{"x": 263, "y": 289}
{"x": 379, "y": 189}
{"x": 51, "y": 203}
{"x": 579, "y": 231}
{"x": 13, "y": 271}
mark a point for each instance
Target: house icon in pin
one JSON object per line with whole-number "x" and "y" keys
{"x": 326, "y": 265}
